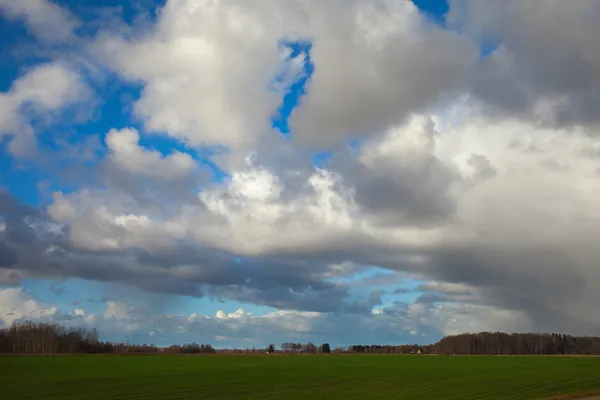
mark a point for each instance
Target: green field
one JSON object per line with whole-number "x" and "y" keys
{"x": 295, "y": 377}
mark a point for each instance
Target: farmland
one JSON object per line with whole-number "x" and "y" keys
{"x": 296, "y": 377}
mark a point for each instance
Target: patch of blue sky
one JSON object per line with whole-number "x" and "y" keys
{"x": 297, "y": 89}
{"x": 487, "y": 47}
{"x": 69, "y": 133}
{"x": 354, "y": 145}
{"x": 367, "y": 273}
{"x": 437, "y": 11}
{"x": 166, "y": 145}
{"x": 207, "y": 306}
{"x": 68, "y": 295}
{"x": 322, "y": 159}
{"x": 376, "y": 278}
{"x": 397, "y": 286}
{"x": 91, "y": 296}
{"x": 18, "y": 48}
{"x": 10, "y": 33}
{"x": 129, "y": 11}
{"x": 406, "y": 291}
{"x": 18, "y": 51}
{"x": 20, "y": 182}
{"x": 434, "y": 9}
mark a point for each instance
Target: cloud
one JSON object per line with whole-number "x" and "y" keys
{"x": 16, "y": 304}
{"x": 502, "y": 232}
{"x": 42, "y": 90}
{"x": 48, "y": 85}
{"x": 545, "y": 66}
{"x": 206, "y": 68}
{"x": 130, "y": 157}
{"x": 120, "y": 320}
{"x": 397, "y": 178}
{"x": 375, "y": 64}
{"x": 46, "y": 20}
{"x": 114, "y": 248}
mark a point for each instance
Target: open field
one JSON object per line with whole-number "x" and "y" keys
{"x": 296, "y": 377}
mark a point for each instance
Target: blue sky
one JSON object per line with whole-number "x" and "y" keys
{"x": 166, "y": 164}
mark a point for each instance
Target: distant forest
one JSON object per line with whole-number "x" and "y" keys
{"x": 29, "y": 338}
{"x": 496, "y": 343}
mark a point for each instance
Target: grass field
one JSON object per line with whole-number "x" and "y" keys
{"x": 295, "y": 377}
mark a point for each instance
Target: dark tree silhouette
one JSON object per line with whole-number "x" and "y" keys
{"x": 325, "y": 348}
{"x": 51, "y": 338}
{"x": 517, "y": 343}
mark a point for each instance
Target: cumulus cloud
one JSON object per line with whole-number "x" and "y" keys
{"x": 398, "y": 178}
{"x": 375, "y": 63}
{"x": 212, "y": 86}
{"x": 17, "y": 304}
{"x": 45, "y": 19}
{"x": 503, "y": 233}
{"x": 45, "y": 88}
{"x": 48, "y": 85}
{"x": 129, "y": 156}
{"x": 206, "y": 68}
{"x": 516, "y": 239}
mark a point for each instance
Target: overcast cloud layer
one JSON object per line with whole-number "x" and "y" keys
{"x": 476, "y": 173}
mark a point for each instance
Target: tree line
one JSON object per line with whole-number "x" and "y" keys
{"x": 517, "y": 343}
{"x": 494, "y": 343}
{"x": 45, "y": 338}
{"x": 29, "y": 338}
{"x": 308, "y": 348}
{"x": 389, "y": 349}
{"x": 192, "y": 348}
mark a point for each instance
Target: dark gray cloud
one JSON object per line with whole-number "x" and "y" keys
{"x": 183, "y": 270}
{"x": 544, "y": 283}
{"x": 415, "y": 192}
{"x": 8, "y": 256}
{"x": 371, "y": 70}
{"x": 547, "y": 62}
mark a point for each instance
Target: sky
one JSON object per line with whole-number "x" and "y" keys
{"x": 247, "y": 172}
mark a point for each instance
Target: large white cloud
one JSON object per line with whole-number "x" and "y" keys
{"x": 208, "y": 68}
